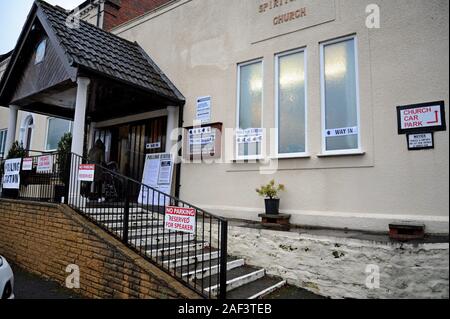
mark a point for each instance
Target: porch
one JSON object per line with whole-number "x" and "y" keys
{"x": 109, "y": 87}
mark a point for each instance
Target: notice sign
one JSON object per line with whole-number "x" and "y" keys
{"x": 425, "y": 117}
{"x": 153, "y": 146}
{"x": 249, "y": 136}
{"x": 158, "y": 172}
{"x": 202, "y": 140}
{"x": 45, "y": 164}
{"x": 180, "y": 219}
{"x": 420, "y": 141}
{"x": 27, "y": 164}
{"x": 86, "y": 172}
{"x": 345, "y": 131}
{"x": 11, "y": 178}
{"x": 204, "y": 109}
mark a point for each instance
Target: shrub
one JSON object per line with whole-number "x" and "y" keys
{"x": 270, "y": 190}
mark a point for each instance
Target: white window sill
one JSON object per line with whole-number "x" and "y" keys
{"x": 351, "y": 153}
{"x": 290, "y": 156}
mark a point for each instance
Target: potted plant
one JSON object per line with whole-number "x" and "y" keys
{"x": 16, "y": 151}
{"x": 272, "y": 200}
{"x": 63, "y": 162}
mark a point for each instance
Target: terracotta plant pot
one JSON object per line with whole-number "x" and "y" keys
{"x": 272, "y": 206}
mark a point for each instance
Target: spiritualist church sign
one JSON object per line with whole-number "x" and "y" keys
{"x": 271, "y": 18}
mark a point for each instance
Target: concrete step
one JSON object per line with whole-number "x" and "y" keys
{"x": 163, "y": 239}
{"x": 204, "y": 270}
{"x": 107, "y": 218}
{"x": 175, "y": 249}
{"x": 175, "y": 261}
{"x": 236, "y": 278}
{"x": 134, "y": 225}
{"x": 256, "y": 289}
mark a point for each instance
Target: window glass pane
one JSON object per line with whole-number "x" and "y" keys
{"x": 341, "y": 117}
{"x": 2, "y": 142}
{"x": 56, "y": 129}
{"x": 250, "y": 104}
{"x": 291, "y": 104}
{"x": 40, "y": 51}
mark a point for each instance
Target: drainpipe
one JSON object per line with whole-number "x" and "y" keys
{"x": 180, "y": 138}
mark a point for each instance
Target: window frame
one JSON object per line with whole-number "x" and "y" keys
{"x": 277, "y": 102}
{"x": 238, "y": 110}
{"x": 359, "y": 149}
{"x": 46, "y": 132}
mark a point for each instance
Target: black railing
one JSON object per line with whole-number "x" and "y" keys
{"x": 46, "y": 183}
{"x": 135, "y": 214}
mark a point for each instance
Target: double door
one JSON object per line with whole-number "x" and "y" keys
{"x": 127, "y": 144}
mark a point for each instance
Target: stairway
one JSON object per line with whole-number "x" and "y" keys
{"x": 193, "y": 261}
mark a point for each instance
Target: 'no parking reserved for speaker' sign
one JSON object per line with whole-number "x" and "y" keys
{"x": 180, "y": 219}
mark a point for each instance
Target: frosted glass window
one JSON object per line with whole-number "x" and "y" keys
{"x": 291, "y": 104}
{"x": 250, "y": 105}
{"x": 56, "y": 129}
{"x": 3, "y": 134}
{"x": 340, "y": 96}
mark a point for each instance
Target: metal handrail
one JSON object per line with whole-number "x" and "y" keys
{"x": 169, "y": 244}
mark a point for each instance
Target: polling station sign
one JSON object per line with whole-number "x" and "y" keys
{"x": 45, "y": 164}
{"x": 421, "y": 118}
{"x": 180, "y": 219}
{"x": 11, "y": 177}
{"x": 86, "y": 172}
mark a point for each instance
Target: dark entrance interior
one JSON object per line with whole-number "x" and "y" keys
{"x": 127, "y": 144}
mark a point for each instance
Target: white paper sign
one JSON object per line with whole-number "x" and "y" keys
{"x": 249, "y": 136}
{"x": 27, "y": 164}
{"x": 153, "y": 146}
{"x": 11, "y": 177}
{"x": 86, "y": 172}
{"x": 204, "y": 109}
{"x": 180, "y": 219}
{"x": 45, "y": 164}
{"x": 158, "y": 171}
{"x": 345, "y": 131}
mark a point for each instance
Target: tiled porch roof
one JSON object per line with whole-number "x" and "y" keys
{"x": 98, "y": 51}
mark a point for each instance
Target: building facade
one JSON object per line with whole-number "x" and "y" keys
{"x": 303, "y": 92}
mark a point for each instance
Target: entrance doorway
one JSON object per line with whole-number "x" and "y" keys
{"x": 127, "y": 144}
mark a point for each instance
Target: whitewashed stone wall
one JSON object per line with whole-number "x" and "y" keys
{"x": 336, "y": 267}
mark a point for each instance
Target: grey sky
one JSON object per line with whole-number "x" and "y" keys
{"x": 13, "y": 14}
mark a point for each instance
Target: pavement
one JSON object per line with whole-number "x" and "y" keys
{"x": 31, "y": 286}
{"x": 292, "y": 292}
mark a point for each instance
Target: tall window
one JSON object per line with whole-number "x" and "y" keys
{"x": 3, "y": 134}
{"x": 250, "y": 95}
{"x": 56, "y": 128}
{"x": 340, "y": 103}
{"x": 26, "y": 131}
{"x": 291, "y": 103}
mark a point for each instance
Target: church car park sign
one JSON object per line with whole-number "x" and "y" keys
{"x": 421, "y": 118}
{"x": 419, "y": 122}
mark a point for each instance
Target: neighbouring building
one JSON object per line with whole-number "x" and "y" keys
{"x": 312, "y": 86}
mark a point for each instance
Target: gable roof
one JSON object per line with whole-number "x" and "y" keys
{"x": 90, "y": 49}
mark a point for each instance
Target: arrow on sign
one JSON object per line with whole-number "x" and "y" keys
{"x": 437, "y": 118}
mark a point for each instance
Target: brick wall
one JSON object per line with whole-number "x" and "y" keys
{"x": 118, "y": 12}
{"x": 45, "y": 238}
